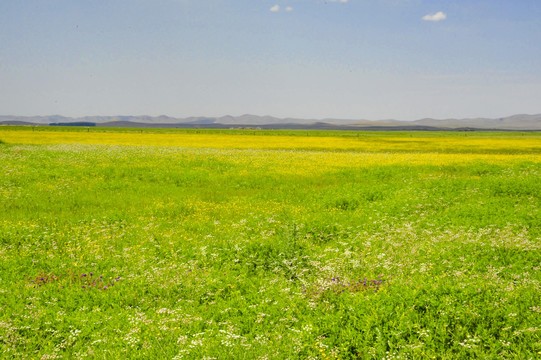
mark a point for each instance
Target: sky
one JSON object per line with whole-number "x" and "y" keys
{"x": 344, "y": 59}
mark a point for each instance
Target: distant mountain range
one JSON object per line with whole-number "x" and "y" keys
{"x": 516, "y": 122}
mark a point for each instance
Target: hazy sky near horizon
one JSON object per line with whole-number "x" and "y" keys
{"x": 350, "y": 59}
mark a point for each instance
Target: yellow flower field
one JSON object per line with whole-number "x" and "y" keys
{"x": 455, "y": 144}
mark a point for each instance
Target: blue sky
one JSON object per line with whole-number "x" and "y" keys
{"x": 355, "y": 59}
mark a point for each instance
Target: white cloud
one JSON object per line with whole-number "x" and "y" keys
{"x": 340, "y": 1}
{"x": 435, "y": 17}
{"x": 275, "y": 8}
{"x": 289, "y": 8}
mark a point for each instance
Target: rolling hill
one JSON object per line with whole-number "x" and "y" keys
{"x": 520, "y": 122}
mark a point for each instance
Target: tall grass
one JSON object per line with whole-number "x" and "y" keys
{"x": 170, "y": 252}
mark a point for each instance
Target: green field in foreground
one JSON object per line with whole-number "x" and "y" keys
{"x": 269, "y": 249}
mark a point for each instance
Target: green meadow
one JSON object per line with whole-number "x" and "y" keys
{"x": 411, "y": 246}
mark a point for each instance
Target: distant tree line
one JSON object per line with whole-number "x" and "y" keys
{"x": 81, "y": 123}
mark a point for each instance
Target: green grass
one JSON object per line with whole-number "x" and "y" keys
{"x": 207, "y": 253}
{"x": 278, "y": 132}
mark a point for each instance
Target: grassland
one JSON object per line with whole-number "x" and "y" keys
{"x": 269, "y": 245}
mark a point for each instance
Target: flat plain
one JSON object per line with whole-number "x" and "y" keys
{"x": 269, "y": 245}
